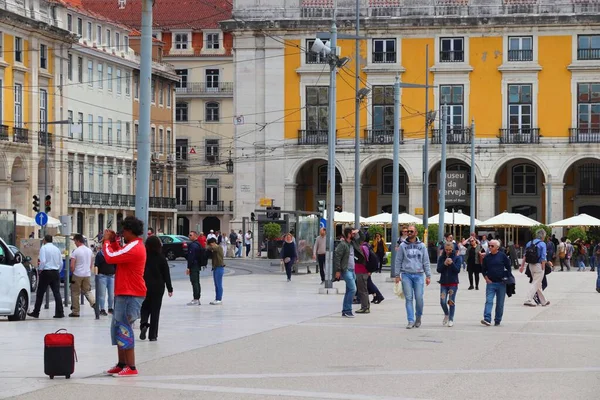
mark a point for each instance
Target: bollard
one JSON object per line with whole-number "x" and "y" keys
{"x": 96, "y": 304}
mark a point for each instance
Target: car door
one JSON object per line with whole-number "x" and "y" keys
{"x": 6, "y": 280}
{"x": 167, "y": 242}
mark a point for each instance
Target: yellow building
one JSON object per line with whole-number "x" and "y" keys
{"x": 30, "y": 99}
{"x": 527, "y": 72}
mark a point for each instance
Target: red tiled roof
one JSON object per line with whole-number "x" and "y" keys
{"x": 167, "y": 14}
{"x": 76, "y": 5}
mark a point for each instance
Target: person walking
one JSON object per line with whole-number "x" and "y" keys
{"x": 496, "y": 270}
{"x": 195, "y": 261}
{"x": 550, "y": 251}
{"x": 412, "y": 262}
{"x": 570, "y": 251}
{"x": 448, "y": 266}
{"x": 82, "y": 265}
{"x": 248, "y": 242}
{"x": 156, "y": 277}
{"x": 362, "y": 275}
{"x": 591, "y": 255}
{"x": 238, "y": 242}
{"x": 379, "y": 248}
{"x": 319, "y": 252}
{"x": 474, "y": 263}
{"x": 130, "y": 291}
{"x": 288, "y": 255}
{"x": 343, "y": 264}
{"x": 535, "y": 256}
{"x": 106, "y": 282}
{"x": 562, "y": 254}
{"x": 50, "y": 264}
{"x": 202, "y": 240}
{"x": 218, "y": 270}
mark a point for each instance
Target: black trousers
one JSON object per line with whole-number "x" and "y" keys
{"x": 321, "y": 260}
{"x": 151, "y": 311}
{"x": 52, "y": 279}
{"x": 476, "y": 273}
{"x": 372, "y": 288}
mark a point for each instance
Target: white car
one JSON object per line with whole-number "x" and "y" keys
{"x": 14, "y": 285}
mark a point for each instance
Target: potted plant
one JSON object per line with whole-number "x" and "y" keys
{"x": 272, "y": 232}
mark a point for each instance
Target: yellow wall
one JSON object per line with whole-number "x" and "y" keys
{"x": 27, "y": 118}
{"x": 413, "y": 100}
{"x": 485, "y": 98}
{"x": 9, "y": 93}
{"x": 292, "y": 89}
{"x": 554, "y": 99}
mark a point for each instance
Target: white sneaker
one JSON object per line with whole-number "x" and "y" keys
{"x": 193, "y": 303}
{"x": 450, "y": 324}
{"x": 445, "y": 321}
{"x": 216, "y": 303}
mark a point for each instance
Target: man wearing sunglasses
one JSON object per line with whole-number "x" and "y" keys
{"x": 412, "y": 261}
{"x": 496, "y": 270}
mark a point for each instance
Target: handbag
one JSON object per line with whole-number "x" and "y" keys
{"x": 398, "y": 291}
{"x": 547, "y": 270}
{"x": 286, "y": 260}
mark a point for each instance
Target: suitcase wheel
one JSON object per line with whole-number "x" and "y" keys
{"x": 51, "y": 376}
{"x": 68, "y": 377}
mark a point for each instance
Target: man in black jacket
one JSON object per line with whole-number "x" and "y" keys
{"x": 496, "y": 271}
{"x": 106, "y": 282}
{"x": 196, "y": 260}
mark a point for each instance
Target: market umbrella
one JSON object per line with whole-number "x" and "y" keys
{"x": 509, "y": 220}
{"x": 53, "y": 222}
{"x": 456, "y": 218}
{"x": 23, "y": 220}
{"x": 386, "y": 219}
{"x": 577, "y": 220}
{"x": 343, "y": 217}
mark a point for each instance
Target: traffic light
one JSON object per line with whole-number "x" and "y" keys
{"x": 252, "y": 217}
{"x": 48, "y": 203}
{"x": 36, "y": 203}
{"x": 321, "y": 206}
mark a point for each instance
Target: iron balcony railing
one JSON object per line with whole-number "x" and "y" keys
{"x": 162, "y": 202}
{"x": 453, "y": 136}
{"x": 452, "y": 56}
{"x": 588, "y": 54}
{"x": 520, "y": 136}
{"x": 520, "y": 55}
{"x": 43, "y": 137}
{"x": 381, "y": 136}
{"x": 584, "y": 135}
{"x": 220, "y": 88}
{"x": 384, "y": 57}
{"x": 313, "y": 137}
{"x": 211, "y": 205}
{"x": 4, "y": 132}
{"x": 20, "y": 135}
{"x": 185, "y": 206}
{"x": 84, "y": 198}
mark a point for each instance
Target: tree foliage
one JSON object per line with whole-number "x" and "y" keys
{"x": 272, "y": 230}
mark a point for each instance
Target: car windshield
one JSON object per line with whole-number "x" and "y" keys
{"x": 182, "y": 238}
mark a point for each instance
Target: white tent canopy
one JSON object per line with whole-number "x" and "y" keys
{"x": 343, "y": 217}
{"x": 23, "y": 220}
{"x": 456, "y": 218}
{"x": 386, "y": 219}
{"x": 507, "y": 220}
{"x": 577, "y": 220}
{"x": 53, "y": 222}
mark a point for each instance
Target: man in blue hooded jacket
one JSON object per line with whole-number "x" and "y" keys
{"x": 412, "y": 261}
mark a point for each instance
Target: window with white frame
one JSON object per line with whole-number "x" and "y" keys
{"x": 212, "y": 112}
{"x": 125, "y": 43}
{"x": 80, "y": 69}
{"x": 181, "y": 149}
{"x": 100, "y": 129}
{"x": 101, "y": 178}
{"x": 212, "y": 80}
{"x": 90, "y": 128}
{"x": 80, "y": 27}
{"x": 136, "y": 86}
{"x": 588, "y": 108}
{"x": 314, "y": 58}
{"x": 383, "y": 109}
{"x": 169, "y": 188}
{"x": 111, "y": 181}
{"x": 43, "y": 110}
{"x": 18, "y": 105}
{"x": 128, "y": 181}
{"x": 70, "y": 67}
{"x": 119, "y": 133}
{"x": 520, "y": 108}
{"x": 524, "y": 179}
{"x": 181, "y": 111}
{"x": 183, "y": 78}
{"x": 109, "y": 78}
{"x": 108, "y": 38}
{"x": 127, "y": 134}
{"x": 452, "y": 96}
{"x": 161, "y": 94}
{"x": 80, "y": 175}
{"x": 109, "y": 130}
{"x": 44, "y": 57}
{"x": 91, "y": 177}
{"x": 70, "y": 175}
{"x": 212, "y": 150}
{"x": 169, "y": 142}
{"x": 181, "y": 41}
{"x": 317, "y": 109}
{"x": 99, "y": 34}
{"x": 18, "y": 49}
{"x": 387, "y": 180}
{"x": 153, "y": 90}
{"x": 89, "y": 31}
{"x": 169, "y": 95}
{"x": 588, "y": 47}
{"x": 384, "y": 50}
{"x": 117, "y": 40}
{"x": 153, "y": 139}
{"x": 161, "y": 141}
{"x": 520, "y": 48}
{"x": 100, "y": 75}
{"x": 80, "y": 125}
{"x": 127, "y": 83}
{"x": 212, "y": 41}
{"x": 70, "y": 119}
{"x": 118, "y": 81}
{"x": 136, "y": 133}
{"x": 181, "y": 186}
{"x": 90, "y": 73}
{"x": 69, "y": 22}
{"x": 212, "y": 192}
{"x": 1, "y": 45}
{"x": 452, "y": 50}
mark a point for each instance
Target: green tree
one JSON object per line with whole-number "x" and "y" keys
{"x": 432, "y": 232}
{"x": 577, "y": 233}
{"x": 272, "y": 230}
{"x": 375, "y": 229}
{"x": 535, "y": 228}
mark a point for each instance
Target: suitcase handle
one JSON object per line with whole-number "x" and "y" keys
{"x": 62, "y": 329}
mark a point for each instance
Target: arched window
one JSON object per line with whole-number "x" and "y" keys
{"x": 212, "y": 112}
{"x": 387, "y": 180}
{"x": 524, "y": 179}
{"x": 322, "y": 189}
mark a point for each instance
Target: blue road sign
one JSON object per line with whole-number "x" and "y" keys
{"x": 41, "y": 218}
{"x": 323, "y": 223}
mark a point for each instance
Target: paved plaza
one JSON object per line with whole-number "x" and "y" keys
{"x": 276, "y": 340}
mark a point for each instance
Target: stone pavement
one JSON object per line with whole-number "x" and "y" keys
{"x": 276, "y": 340}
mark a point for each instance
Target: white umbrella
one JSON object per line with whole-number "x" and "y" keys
{"x": 386, "y": 219}
{"x": 456, "y": 218}
{"x": 53, "y": 222}
{"x": 506, "y": 220}
{"x": 343, "y": 217}
{"x": 577, "y": 220}
{"x": 24, "y": 220}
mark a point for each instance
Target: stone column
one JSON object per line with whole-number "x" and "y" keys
{"x": 486, "y": 200}
{"x": 6, "y": 191}
{"x": 289, "y": 201}
{"x": 558, "y": 206}
{"x": 348, "y": 196}
{"x": 415, "y": 197}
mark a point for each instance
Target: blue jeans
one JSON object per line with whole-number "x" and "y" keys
{"x": 413, "y": 286}
{"x": 218, "y": 279}
{"x": 598, "y": 280}
{"x": 238, "y": 251}
{"x": 448, "y": 298}
{"x": 350, "y": 279}
{"x": 105, "y": 282}
{"x": 499, "y": 291}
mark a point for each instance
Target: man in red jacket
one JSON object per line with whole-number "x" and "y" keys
{"x": 130, "y": 291}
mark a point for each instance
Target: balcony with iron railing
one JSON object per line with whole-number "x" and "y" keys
{"x": 211, "y": 205}
{"x": 588, "y": 54}
{"x": 209, "y": 89}
{"x": 4, "y": 132}
{"x": 584, "y": 135}
{"x": 312, "y": 136}
{"x": 45, "y": 137}
{"x": 83, "y": 198}
{"x": 162, "y": 202}
{"x": 520, "y": 55}
{"x": 20, "y": 135}
{"x": 519, "y": 136}
{"x": 384, "y": 57}
{"x": 454, "y": 135}
{"x": 381, "y": 136}
{"x": 204, "y": 206}
{"x": 452, "y": 56}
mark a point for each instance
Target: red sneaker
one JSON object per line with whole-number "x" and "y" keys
{"x": 114, "y": 370}
{"x": 125, "y": 372}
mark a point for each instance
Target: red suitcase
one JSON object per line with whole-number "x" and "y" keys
{"x": 59, "y": 354}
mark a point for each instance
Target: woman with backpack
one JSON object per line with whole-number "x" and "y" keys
{"x": 448, "y": 266}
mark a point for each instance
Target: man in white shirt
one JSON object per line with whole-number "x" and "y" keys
{"x": 211, "y": 234}
{"x": 50, "y": 265}
{"x": 248, "y": 242}
{"x": 82, "y": 264}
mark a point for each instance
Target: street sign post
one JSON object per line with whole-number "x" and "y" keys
{"x": 41, "y": 218}
{"x": 323, "y": 223}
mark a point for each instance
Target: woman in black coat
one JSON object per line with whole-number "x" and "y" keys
{"x": 157, "y": 276}
{"x": 289, "y": 255}
{"x": 474, "y": 263}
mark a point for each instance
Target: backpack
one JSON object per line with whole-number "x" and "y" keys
{"x": 562, "y": 250}
{"x": 531, "y": 253}
{"x": 372, "y": 261}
